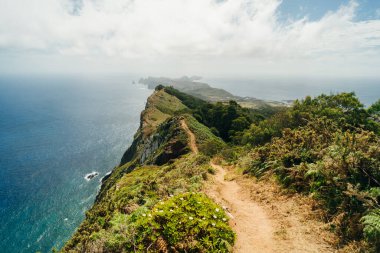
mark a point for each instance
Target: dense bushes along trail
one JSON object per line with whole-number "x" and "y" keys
{"x": 265, "y": 226}
{"x": 257, "y": 230}
{"x": 192, "y": 141}
{"x": 250, "y": 222}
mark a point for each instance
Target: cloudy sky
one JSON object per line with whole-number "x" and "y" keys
{"x": 244, "y": 38}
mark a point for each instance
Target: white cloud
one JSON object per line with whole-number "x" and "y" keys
{"x": 237, "y": 36}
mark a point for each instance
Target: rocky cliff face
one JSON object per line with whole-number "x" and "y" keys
{"x": 158, "y": 139}
{"x": 154, "y": 131}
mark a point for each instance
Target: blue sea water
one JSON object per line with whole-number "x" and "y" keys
{"x": 279, "y": 89}
{"x": 53, "y": 131}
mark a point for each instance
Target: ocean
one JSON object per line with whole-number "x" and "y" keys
{"x": 281, "y": 89}
{"x": 56, "y": 130}
{"x": 53, "y": 131}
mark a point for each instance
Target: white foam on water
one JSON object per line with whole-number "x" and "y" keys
{"x": 41, "y": 236}
{"x": 91, "y": 175}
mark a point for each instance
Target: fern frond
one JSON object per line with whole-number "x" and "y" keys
{"x": 371, "y": 223}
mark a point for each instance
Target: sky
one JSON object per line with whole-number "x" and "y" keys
{"x": 214, "y": 38}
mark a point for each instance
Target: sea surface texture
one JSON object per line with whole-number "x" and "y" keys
{"x": 287, "y": 88}
{"x": 54, "y": 131}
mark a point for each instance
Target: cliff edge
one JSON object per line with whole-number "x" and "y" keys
{"x": 152, "y": 201}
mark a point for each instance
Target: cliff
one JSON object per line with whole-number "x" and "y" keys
{"x": 155, "y": 188}
{"x": 317, "y": 160}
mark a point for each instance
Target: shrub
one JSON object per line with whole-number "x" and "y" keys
{"x": 344, "y": 109}
{"x": 371, "y": 224}
{"x": 188, "y": 222}
{"x": 211, "y": 147}
{"x": 337, "y": 167}
{"x": 257, "y": 168}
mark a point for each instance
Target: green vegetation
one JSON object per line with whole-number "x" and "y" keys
{"x": 344, "y": 109}
{"x": 371, "y": 223}
{"x": 227, "y": 121}
{"x": 160, "y": 107}
{"x": 375, "y": 108}
{"x": 374, "y": 112}
{"x": 188, "y": 222}
{"x": 142, "y": 191}
{"x": 329, "y": 148}
{"x": 207, "y": 142}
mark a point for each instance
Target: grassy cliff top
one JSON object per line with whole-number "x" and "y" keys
{"x": 160, "y": 106}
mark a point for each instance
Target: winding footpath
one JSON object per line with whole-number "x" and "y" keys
{"x": 253, "y": 228}
{"x": 193, "y": 141}
{"x": 256, "y": 226}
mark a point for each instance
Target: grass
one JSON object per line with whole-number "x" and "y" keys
{"x": 166, "y": 103}
{"x": 207, "y": 142}
{"x": 160, "y": 107}
{"x": 137, "y": 191}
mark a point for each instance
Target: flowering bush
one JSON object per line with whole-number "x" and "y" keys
{"x": 186, "y": 222}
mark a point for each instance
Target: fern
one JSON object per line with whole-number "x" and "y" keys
{"x": 371, "y": 223}
{"x": 257, "y": 168}
{"x": 374, "y": 192}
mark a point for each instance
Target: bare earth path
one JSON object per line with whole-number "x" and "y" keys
{"x": 263, "y": 219}
{"x": 253, "y": 227}
{"x": 193, "y": 142}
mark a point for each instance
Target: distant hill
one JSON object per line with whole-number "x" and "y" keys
{"x": 192, "y": 86}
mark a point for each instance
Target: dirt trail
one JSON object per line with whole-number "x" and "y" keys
{"x": 193, "y": 142}
{"x": 265, "y": 220}
{"x": 253, "y": 227}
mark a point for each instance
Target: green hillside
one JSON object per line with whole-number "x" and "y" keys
{"x": 326, "y": 149}
{"x": 157, "y": 187}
